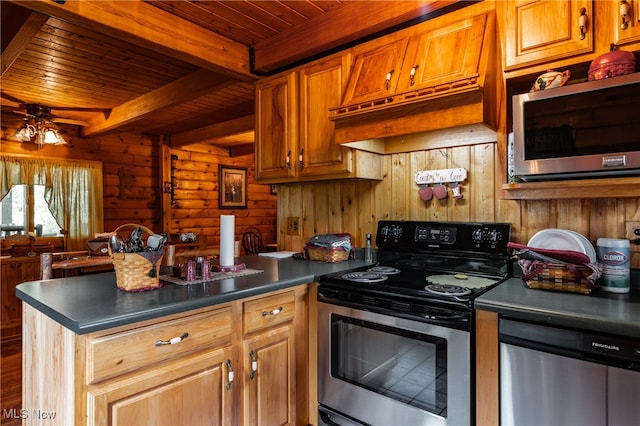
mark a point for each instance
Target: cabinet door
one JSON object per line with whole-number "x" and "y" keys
{"x": 276, "y": 127}
{"x": 191, "y": 391}
{"x": 542, "y": 31}
{"x": 375, "y": 71}
{"x": 13, "y": 272}
{"x": 627, "y": 29}
{"x": 444, "y": 55}
{"x": 269, "y": 378}
{"x": 321, "y": 87}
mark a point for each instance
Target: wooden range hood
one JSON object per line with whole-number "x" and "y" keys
{"x": 446, "y": 90}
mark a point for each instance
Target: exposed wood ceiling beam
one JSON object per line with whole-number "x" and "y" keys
{"x": 192, "y": 86}
{"x": 29, "y": 26}
{"x": 340, "y": 26}
{"x": 147, "y": 26}
{"x": 215, "y": 131}
{"x": 240, "y": 150}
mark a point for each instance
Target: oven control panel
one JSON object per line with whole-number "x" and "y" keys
{"x": 458, "y": 236}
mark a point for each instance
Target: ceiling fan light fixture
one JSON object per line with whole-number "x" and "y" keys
{"x": 25, "y": 132}
{"x": 40, "y": 132}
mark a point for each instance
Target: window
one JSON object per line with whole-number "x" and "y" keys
{"x": 64, "y": 196}
{"x": 24, "y": 210}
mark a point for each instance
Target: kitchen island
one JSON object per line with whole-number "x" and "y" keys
{"x": 224, "y": 352}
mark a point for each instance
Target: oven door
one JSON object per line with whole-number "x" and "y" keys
{"x": 381, "y": 370}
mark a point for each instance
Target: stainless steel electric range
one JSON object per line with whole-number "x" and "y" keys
{"x": 396, "y": 338}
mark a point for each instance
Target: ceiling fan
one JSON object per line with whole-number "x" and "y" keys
{"x": 38, "y": 124}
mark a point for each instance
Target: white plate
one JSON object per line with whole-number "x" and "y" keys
{"x": 588, "y": 247}
{"x": 558, "y": 239}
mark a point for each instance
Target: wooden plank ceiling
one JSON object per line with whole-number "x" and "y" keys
{"x": 177, "y": 68}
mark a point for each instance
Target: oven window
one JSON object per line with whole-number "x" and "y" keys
{"x": 407, "y": 366}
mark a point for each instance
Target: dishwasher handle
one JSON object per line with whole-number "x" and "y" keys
{"x": 616, "y": 351}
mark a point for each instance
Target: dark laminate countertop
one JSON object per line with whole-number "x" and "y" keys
{"x": 93, "y": 302}
{"x": 599, "y": 311}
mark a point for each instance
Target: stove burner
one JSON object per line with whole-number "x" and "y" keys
{"x": 384, "y": 270}
{"x": 364, "y": 277}
{"x": 447, "y": 289}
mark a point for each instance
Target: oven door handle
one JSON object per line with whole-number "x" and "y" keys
{"x": 327, "y": 419}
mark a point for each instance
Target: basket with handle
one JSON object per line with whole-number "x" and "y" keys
{"x": 329, "y": 248}
{"x": 139, "y": 271}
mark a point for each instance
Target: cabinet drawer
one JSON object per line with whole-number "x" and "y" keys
{"x": 119, "y": 353}
{"x": 268, "y": 311}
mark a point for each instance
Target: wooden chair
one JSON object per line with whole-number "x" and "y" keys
{"x": 252, "y": 241}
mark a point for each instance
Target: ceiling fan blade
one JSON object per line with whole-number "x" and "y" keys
{"x": 80, "y": 109}
{"x": 11, "y": 98}
{"x": 69, "y": 121}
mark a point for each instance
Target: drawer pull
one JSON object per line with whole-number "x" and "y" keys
{"x": 172, "y": 341}
{"x": 230, "y": 376}
{"x": 254, "y": 365}
{"x": 274, "y": 312}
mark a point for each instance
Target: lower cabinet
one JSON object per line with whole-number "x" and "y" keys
{"x": 14, "y": 271}
{"x": 198, "y": 367}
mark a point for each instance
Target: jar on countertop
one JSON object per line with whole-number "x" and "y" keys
{"x": 614, "y": 254}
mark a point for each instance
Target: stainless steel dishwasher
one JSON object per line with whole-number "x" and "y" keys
{"x": 556, "y": 376}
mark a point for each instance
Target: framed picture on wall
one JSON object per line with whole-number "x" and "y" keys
{"x": 232, "y": 192}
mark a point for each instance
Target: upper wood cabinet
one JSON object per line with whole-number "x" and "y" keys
{"x": 444, "y": 55}
{"x": 376, "y": 70}
{"x": 294, "y": 136}
{"x": 626, "y": 19}
{"x": 558, "y": 33}
{"x": 276, "y": 127}
{"x": 544, "y": 31}
{"x": 405, "y": 65}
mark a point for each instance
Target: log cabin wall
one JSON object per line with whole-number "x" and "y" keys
{"x": 357, "y": 206}
{"x": 133, "y": 191}
{"x": 196, "y": 183}
{"x": 130, "y": 166}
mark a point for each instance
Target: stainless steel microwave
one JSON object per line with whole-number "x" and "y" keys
{"x": 582, "y": 130}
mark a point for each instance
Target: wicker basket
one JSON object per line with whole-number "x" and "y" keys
{"x": 559, "y": 277}
{"x": 327, "y": 254}
{"x": 136, "y": 271}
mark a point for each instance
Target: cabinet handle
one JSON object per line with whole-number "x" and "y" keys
{"x": 412, "y": 75}
{"x": 172, "y": 341}
{"x": 254, "y": 364}
{"x": 288, "y": 160}
{"x": 300, "y": 158}
{"x": 387, "y": 81}
{"x": 582, "y": 22}
{"x": 230, "y": 375}
{"x": 624, "y": 14}
{"x": 274, "y": 312}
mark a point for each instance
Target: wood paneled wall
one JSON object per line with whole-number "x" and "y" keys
{"x": 357, "y": 206}
{"x": 133, "y": 188}
{"x": 196, "y": 187}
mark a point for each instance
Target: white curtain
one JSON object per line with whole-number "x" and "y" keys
{"x": 73, "y": 191}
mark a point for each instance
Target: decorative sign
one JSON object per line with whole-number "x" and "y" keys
{"x": 441, "y": 176}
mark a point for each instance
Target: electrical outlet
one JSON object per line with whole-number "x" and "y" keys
{"x": 633, "y": 234}
{"x": 293, "y": 226}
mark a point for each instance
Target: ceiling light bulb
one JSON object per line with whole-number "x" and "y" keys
{"x": 50, "y": 136}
